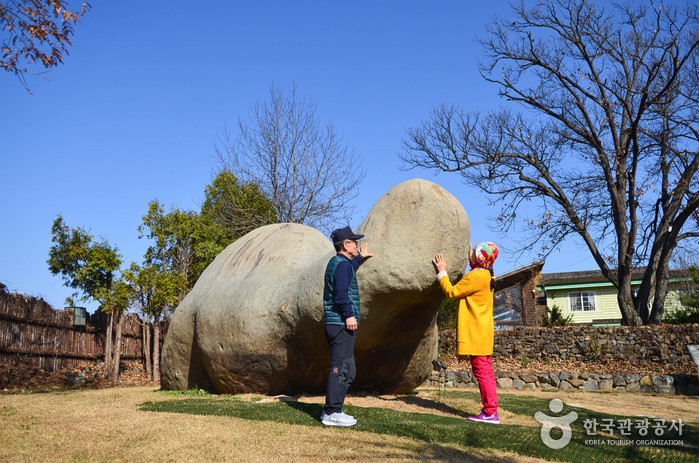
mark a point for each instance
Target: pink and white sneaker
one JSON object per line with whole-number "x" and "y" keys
{"x": 483, "y": 418}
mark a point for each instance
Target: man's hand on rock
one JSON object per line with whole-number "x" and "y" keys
{"x": 364, "y": 251}
{"x": 351, "y": 323}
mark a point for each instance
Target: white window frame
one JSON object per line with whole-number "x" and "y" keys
{"x": 582, "y": 301}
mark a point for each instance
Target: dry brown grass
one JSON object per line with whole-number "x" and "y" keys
{"x": 106, "y": 425}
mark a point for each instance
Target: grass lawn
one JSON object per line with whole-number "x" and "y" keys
{"x": 144, "y": 424}
{"x": 515, "y": 438}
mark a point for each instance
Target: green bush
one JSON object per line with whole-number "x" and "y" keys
{"x": 446, "y": 324}
{"x": 447, "y": 314}
{"x": 682, "y": 315}
{"x": 554, "y": 317}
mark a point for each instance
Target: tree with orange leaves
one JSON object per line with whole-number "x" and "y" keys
{"x": 35, "y": 33}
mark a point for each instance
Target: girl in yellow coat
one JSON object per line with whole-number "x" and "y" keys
{"x": 475, "y": 327}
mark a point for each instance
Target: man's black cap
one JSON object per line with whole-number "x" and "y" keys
{"x": 342, "y": 234}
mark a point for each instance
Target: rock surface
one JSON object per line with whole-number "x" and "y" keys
{"x": 253, "y": 322}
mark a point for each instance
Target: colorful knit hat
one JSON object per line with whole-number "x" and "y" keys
{"x": 486, "y": 253}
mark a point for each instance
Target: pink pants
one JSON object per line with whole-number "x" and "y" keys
{"x": 482, "y": 366}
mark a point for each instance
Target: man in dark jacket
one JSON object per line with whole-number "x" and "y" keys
{"x": 341, "y": 307}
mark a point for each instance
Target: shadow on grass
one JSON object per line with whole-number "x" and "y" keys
{"x": 437, "y": 451}
{"x": 429, "y": 404}
{"x": 440, "y": 430}
{"x": 312, "y": 410}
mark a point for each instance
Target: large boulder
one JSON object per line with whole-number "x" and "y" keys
{"x": 254, "y": 320}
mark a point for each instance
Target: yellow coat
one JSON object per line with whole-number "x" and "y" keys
{"x": 475, "y": 328}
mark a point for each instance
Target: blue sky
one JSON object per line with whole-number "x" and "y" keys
{"x": 134, "y": 112}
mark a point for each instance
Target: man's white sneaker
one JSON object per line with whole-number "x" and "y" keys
{"x": 337, "y": 419}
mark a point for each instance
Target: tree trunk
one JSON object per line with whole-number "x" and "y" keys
{"x": 117, "y": 349}
{"x": 645, "y": 295}
{"x": 156, "y": 351}
{"x": 629, "y": 316}
{"x": 662, "y": 277}
{"x": 656, "y": 314}
{"x": 146, "y": 346}
{"x": 108, "y": 345}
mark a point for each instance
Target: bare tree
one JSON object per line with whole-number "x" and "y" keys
{"x": 301, "y": 166}
{"x": 607, "y": 147}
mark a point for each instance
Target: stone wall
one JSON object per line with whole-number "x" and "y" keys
{"x": 663, "y": 343}
{"x": 666, "y": 344}
{"x": 668, "y": 384}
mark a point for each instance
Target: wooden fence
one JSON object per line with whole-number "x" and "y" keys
{"x": 33, "y": 332}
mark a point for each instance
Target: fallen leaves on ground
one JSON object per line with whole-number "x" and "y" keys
{"x": 16, "y": 378}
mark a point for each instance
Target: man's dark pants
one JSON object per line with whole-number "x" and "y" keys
{"x": 342, "y": 368}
